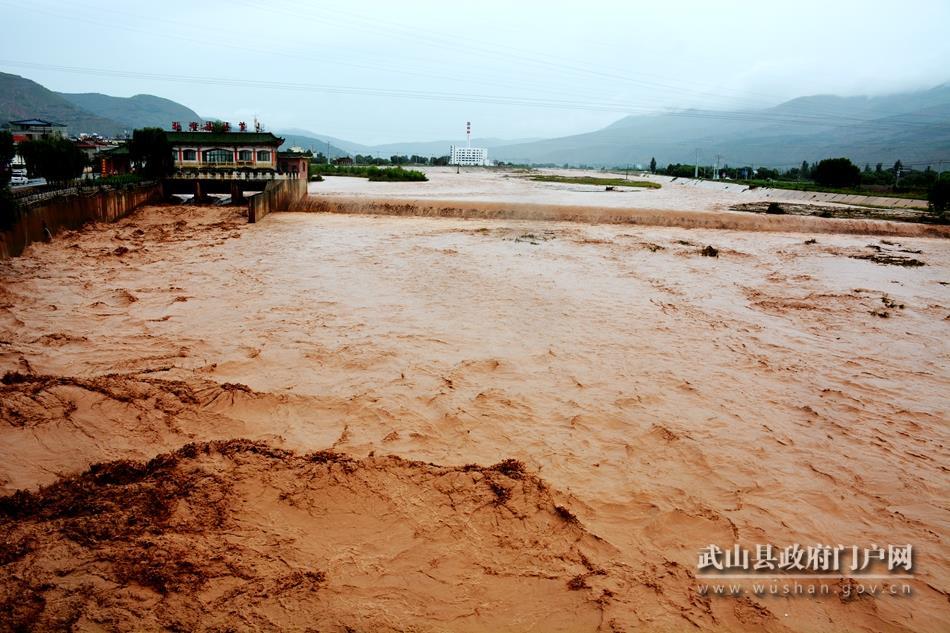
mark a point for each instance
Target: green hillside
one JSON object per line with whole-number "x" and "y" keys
{"x": 134, "y": 112}
{"x": 21, "y": 98}
{"x": 913, "y": 127}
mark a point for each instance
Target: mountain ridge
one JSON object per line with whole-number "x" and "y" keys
{"x": 24, "y": 98}
{"x": 910, "y": 126}
{"x": 141, "y": 110}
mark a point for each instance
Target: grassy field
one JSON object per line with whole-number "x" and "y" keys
{"x": 591, "y": 180}
{"x": 810, "y": 186}
{"x": 862, "y": 212}
{"x": 373, "y": 173}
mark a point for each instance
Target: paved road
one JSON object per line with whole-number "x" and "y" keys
{"x": 34, "y": 182}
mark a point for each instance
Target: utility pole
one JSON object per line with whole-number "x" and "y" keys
{"x": 696, "y": 165}
{"x": 716, "y": 173}
{"x": 626, "y": 172}
{"x": 328, "y": 151}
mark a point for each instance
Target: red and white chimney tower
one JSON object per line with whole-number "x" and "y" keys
{"x": 468, "y": 132}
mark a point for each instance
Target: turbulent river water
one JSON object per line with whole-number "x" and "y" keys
{"x": 446, "y": 424}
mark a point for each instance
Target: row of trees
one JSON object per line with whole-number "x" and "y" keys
{"x": 842, "y": 173}
{"x": 56, "y": 159}
{"x": 833, "y": 172}
{"x": 839, "y": 173}
{"x": 396, "y": 159}
{"x": 372, "y": 172}
{"x": 8, "y": 209}
{"x": 59, "y": 160}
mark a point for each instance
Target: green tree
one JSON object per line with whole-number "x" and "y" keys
{"x": 56, "y": 159}
{"x": 879, "y": 168}
{"x": 653, "y": 165}
{"x": 837, "y": 172}
{"x": 7, "y": 151}
{"x": 898, "y": 166}
{"x": 804, "y": 172}
{"x": 8, "y": 208}
{"x": 152, "y": 152}
{"x": 939, "y": 198}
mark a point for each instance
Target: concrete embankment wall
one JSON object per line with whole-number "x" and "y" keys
{"x": 794, "y": 195}
{"x": 841, "y": 198}
{"x": 278, "y": 195}
{"x": 649, "y": 217}
{"x": 71, "y": 212}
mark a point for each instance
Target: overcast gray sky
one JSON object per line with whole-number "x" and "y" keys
{"x": 380, "y": 71}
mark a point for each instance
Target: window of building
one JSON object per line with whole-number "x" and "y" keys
{"x": 263, "y": 156}
{"x": 217, "y": 156}
{"x": 245, "y": 154}
{"x": 189, "y": 154}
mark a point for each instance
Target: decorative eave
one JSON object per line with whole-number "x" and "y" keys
{"x": 224, "y": 138}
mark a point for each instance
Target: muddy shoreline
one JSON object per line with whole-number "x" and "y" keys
{"x": 740, "y": 220}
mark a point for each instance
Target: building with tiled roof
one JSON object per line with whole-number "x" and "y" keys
{"x": 228, "y": 150}
{"x": 33, "y": 129}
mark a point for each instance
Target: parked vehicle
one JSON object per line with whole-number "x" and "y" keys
{"x": 19, "y": 180}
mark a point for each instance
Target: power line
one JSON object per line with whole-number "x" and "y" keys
{"x": 503, "y": 52}
{"x": 219, "y": 43}
{"x": 562, "y": 104}
{"x": 560, "y": 65}
{"x": 427, "y": 38}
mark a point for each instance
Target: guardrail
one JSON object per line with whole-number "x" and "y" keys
{"x": 32, "y": 197}
{"x": 64, "y": 210}
{"x": 233, "y": 175}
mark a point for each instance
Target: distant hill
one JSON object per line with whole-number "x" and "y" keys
{"x": 912, "y": 127}
{"x": 134, "y": 112}
{"x": 21, "y": 98}
{"x": 441, "y": 148}
{"x": 317, "y": 143}
{"x": 408, "y": 148}
{"x": 307, "y": 138}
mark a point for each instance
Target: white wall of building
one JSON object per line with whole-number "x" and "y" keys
{"x": 469, "y": 156}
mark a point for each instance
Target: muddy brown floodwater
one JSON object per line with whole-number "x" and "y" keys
{"x": 344, "y": 422}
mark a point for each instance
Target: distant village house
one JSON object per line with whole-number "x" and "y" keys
{"x": 35, "y": 129}
{"x": 295, "y": 161}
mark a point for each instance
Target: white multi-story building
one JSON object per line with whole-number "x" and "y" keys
{"x": 469, "y": 156}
